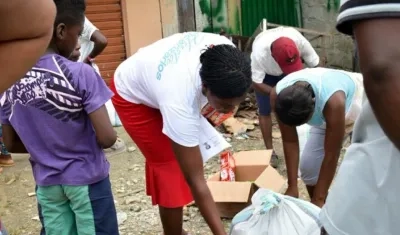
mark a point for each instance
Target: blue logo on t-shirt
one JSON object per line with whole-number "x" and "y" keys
{"x": 173, "y": 54}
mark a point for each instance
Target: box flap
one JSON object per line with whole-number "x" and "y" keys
{"x": 253, "y": 158}
{"x": 270, "y": 179}
{"x": 229, "y": 191}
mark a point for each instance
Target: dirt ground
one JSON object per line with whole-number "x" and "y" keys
{"x": 137, "y": 216}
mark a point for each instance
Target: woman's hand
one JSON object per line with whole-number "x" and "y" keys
{"x": 191, "y": 164}
{"x": 319, "y": 203}
{"x": 292, "y": 191}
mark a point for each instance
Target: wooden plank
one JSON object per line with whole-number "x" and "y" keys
{"x": 169, "y": 17}
{"x": 101, "y": 2}
{"x": 112, "y": 32}
{"x": 108, "y": 66}
{"x": 95, "y": 18}
{"x": 98, "y": 9}
{"x": 115, "y": 41}
{"x": 234, "y": 16}
{"x": 108, "y": 73}
{"x": 186, "y": 16}
{"x": 109, "y": 25}
{"x": 309, "y": 31}
{"x": 114, "y": 49}
{"x": 110, "y": 57}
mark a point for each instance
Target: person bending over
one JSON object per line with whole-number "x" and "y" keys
{"x": 159, "y": 95}
{"x": 276, "y": 53}
{"x": 328, "y": 100}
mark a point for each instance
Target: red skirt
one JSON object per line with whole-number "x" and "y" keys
{"x": 165, "y": 182}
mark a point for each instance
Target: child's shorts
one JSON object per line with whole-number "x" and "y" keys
{"x": 83, "y": 210}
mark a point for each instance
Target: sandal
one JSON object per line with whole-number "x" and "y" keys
{"x": 6, "y": 161}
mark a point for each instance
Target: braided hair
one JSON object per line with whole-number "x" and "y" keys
{"x": 295, "y": 104}
{"x": 69, "y": 11}
{"x": 225, "y": 71}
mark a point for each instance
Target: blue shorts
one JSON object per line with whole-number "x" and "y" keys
{"x": 263, "y": 101}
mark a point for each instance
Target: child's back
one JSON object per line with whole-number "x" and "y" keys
{"x": 57, "y": 113}
{"x": 48, "y": 109}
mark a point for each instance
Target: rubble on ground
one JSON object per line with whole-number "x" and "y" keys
{"x": 244, "y": 120}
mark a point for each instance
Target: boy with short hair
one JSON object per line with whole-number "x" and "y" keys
{"x": 56, "y": 113}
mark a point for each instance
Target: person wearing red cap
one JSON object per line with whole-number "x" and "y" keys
{"x": 276, "y": 53}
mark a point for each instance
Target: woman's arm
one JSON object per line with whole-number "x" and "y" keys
{"x": 11, "y": 140}
{"x": 291, "y": 150}
{"x": 191, "y": 164}
{"x": 334, "y": 113}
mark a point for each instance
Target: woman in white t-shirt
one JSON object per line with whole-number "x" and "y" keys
{"x": 327, "y": 100}
{"x": 159, "y": 95}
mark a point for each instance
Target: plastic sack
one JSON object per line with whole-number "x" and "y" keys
{"x": 112, "y": 114}
{"x": 276, "y": 214}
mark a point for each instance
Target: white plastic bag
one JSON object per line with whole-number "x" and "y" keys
{"x": 112, "y": 114}
{"x": 275, "y": 214}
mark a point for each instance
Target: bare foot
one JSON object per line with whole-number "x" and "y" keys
{"x": 6, "y": 160}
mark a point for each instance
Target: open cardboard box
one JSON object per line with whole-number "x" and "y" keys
{"x": 252, "y": 172}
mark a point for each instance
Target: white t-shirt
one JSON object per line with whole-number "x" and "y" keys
{"x": 364, "y": 199}
{"x": 86, "y": 44}
{"x": 84, "y": 40}
{"x": 165, "y": 76}
{"x": 262, "y": 61}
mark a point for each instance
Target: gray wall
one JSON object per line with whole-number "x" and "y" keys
{"x": 339, "y": 48}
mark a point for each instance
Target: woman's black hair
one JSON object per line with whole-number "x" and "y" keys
{"x": 70, "y": 11}
{"x": 295, "y": 104}
{"x": 225, "y": 71}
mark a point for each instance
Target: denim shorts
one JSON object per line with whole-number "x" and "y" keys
{"x": 263, "y": 101}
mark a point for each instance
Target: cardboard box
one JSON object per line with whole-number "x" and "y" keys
{"x": 252, "y": 172}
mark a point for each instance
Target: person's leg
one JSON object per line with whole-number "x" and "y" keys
{"x": 264, "y": 111}
{"x": 165, "y": 182}
{"x": 94, "y": 208}
{"x": 5, "y": 156}
{"x": 55, "y": 212}
{"x": 312, "y": 157}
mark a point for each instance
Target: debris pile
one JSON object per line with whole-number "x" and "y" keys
{"x": 244, "y": 120}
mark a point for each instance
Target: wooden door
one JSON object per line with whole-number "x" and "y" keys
{"x": 106, "y": 15}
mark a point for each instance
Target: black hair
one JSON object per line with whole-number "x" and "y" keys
{"x": 70, "y": 11}
{"x": 295, "y": 104}
{"x": 225, "y": 71}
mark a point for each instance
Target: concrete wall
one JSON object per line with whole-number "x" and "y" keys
{"x": 214, "y": 15}
{"x": 339, "y": 48}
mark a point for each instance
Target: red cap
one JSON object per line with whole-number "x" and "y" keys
{"x": 286, "y": 54}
